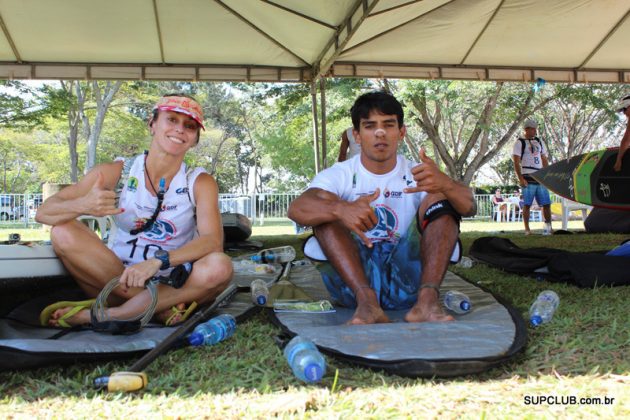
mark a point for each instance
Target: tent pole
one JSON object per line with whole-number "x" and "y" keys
{"x": 315, "y": 126}
{"x": 322, "y": 93}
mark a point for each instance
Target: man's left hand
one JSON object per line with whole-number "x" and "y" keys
{"x": 428, "y": 176}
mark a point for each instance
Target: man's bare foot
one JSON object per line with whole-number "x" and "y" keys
{"x": 428, "y": 309}
{"x": 80, "y": 318}
{"x": 368, "y": 314}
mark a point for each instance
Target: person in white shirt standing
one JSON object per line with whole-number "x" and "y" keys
{"x": 529, "y": 155}
{"x": 349, "y": 147}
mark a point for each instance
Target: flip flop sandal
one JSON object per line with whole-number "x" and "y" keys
{"x": 77, "y": 306}
{"x": 184, "y": 314}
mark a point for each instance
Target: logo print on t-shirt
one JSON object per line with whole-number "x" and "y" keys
{"x": 387, "y": 223}
{"x": 161, "y": 231}
{"x": 132, "y": 185}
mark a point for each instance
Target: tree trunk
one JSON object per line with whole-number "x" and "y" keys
{"x": 73, "y": 125}
{"x": 103, "y": 100}
{"x": 4, "y": 174}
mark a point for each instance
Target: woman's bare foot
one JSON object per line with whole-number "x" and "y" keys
{"x": 80, "y": 318}
{"x": 175, "y": 317}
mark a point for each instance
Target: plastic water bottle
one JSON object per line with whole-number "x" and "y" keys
{"x": 457, "y": 302}
{"x": 212, "y": 331}
{"x": 250, "y": 267}
{"x": 543, "y": 307}
{"x": 465, "y": 262}
{"x": 260, "y": 291}
{"x": 277, "y": 255}
{"x": 305, "y": 360}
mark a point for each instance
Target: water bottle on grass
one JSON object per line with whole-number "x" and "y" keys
{"x": 305, "y": 360}
{"x": 250, "y": 267}
{"x": 260, "y": 292}
{"x": 543, "y": 307}
{"x": 212, "y": 331}
{"x": 465, "y": 262}
{"x": 457, "y": 302}
{"x": 277, "y": 255}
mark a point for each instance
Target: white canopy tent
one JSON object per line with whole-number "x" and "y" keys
{"x": 304, "y": 40}
{"x": 298, "y": 40}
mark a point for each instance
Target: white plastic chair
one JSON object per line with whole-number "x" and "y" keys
{"x": 497, "y": 214}
{"x": 568, "y": 206}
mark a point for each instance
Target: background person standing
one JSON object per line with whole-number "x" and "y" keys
{"x": 349, "y": 146}
{"x": 529, "y": 155}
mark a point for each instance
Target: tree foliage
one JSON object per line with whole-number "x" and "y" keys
{"x": 581, "y": 118}
{"x": 259, "y": 137}
{"x": 467, "y": 124}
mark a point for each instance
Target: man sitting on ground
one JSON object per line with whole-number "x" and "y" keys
{"x": 364, "y": 213}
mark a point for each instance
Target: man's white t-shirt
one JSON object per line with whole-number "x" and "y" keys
{"x": 395, "y": 209}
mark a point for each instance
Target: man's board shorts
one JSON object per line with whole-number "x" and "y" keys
{"x": 537, "y": 191}
{"x": 393, "y": 270}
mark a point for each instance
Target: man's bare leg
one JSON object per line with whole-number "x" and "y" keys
{"x": 547, "y": 213}
{"x": 343, "y": 254}
{"x": 436, "y": 247}
{"x": 526, "y": 219}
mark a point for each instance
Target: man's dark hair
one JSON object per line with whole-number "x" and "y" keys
{"x": 379, "y": 101}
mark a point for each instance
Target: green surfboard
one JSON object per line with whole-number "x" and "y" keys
{"x": 590, "y": 179}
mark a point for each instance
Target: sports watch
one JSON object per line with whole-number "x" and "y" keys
{"x": 163, "y": 256}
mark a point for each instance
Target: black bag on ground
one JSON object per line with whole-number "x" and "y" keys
{"x": 583, "y": 269}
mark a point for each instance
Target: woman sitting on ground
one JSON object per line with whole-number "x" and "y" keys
{"x": 166, "y": 217}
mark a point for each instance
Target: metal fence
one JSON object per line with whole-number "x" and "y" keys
{"x": 271, "y": 206}
{"x": 19, "y": 209}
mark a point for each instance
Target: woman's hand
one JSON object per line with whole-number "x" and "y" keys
{"x": 100, "y": 201}
{"x": 136, "y": 275}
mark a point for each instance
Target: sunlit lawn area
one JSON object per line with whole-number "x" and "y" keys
{"x": 582, "y": 353}
{"x": 285, "y": 227}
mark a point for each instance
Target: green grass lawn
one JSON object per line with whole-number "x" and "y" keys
{"x": 583, "y": 353}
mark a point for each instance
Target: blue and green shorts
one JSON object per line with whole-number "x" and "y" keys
{"x": 393, "y": 271}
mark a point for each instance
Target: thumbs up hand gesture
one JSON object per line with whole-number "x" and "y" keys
{"x": 359, "y": 216}
{"x": 100, "y": 201}
{"x": 428, "y": 177}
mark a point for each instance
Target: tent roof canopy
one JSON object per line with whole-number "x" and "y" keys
{"x": 299, "y": 41}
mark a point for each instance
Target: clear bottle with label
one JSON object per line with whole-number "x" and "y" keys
{"x": 260, "y": 292}
{"x": 278, "y": 255}
{"x": 248, "y": 266}
{"x": 465, "y": 262}
{"x": 457, "y": 302}
{"x": 213, "y": 331}
{"x": 306, "y": 362}
{"x": 543, "y": 308}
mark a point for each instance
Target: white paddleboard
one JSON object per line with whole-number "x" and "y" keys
{"x": 28, "y": 261}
